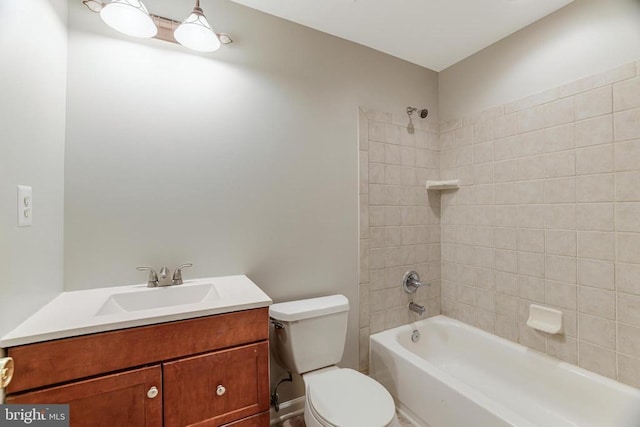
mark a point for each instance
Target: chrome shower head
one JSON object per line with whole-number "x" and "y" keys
{"x": 423, "y": 113}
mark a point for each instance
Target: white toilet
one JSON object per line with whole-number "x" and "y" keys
{"x": 307, "y": 338}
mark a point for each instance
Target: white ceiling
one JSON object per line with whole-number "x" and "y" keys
{"x": 431, "y": 33}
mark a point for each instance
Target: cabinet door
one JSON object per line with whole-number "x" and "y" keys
{"x": 217, "y": 388}
{"x": 107, "y": 401}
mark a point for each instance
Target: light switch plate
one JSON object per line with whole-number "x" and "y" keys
{"x": 25, "y": 206}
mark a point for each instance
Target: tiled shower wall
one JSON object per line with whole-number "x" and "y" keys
{"x": 399, "y": 223}
{"x": 548, "y": 213}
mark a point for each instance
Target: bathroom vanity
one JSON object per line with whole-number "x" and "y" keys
{"x": 208, "y": 370}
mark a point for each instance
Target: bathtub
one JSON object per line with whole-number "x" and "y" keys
{"x": 456, "y": 375}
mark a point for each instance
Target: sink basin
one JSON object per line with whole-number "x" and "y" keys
{"x": 150, "y": 298}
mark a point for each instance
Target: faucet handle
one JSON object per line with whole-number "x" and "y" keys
{"x": 177, "y": 274}
{"x": 152, "y": 282}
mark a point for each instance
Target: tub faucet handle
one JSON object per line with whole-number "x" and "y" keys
{"x": 177, "y": 274}
{"x": 411, "y": 282}
{"x": 152, "y": 281}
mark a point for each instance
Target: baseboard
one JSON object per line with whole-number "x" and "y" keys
{"x": 288, "y": 409}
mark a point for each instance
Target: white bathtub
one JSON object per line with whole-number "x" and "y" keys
{"x": 460, "y": 376}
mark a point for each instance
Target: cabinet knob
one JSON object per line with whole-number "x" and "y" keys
{"x": 152, "y": 392}
{"x": 220, "y": 390}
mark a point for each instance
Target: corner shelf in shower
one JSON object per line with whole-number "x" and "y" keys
{"x": 452, "y": 184}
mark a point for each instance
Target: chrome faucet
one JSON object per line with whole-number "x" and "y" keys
{"x": 411, "y": 282}
{"x": 163, "y": 279}
{"x": 417, "y": 308}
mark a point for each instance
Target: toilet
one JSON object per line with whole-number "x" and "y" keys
{"x": 307, "y": 338}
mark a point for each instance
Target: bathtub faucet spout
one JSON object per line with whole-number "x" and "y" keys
{"x": 417, "y": 308}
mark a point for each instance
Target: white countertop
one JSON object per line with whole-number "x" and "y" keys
{"x": 83, "y": 312}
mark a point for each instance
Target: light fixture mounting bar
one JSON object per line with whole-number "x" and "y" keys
{"x": 166, "y": 26}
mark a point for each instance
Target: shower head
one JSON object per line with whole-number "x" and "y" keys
{"x": 423, "y": 113}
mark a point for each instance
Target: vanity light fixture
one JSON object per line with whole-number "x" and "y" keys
{"x": 132, "y": 18}
{"x": 195, "y": 32}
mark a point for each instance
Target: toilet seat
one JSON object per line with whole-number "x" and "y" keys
{"x": 346, "y": 398}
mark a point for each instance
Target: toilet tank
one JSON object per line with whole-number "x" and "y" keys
{"x": 309, "y": 334}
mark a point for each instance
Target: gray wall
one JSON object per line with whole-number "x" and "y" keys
{"x": 584, "y": 38}
{"x": 242, "y": 161}
{"x": 32, "y": 115}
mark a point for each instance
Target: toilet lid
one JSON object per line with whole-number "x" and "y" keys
{"x": 346, "y": 398}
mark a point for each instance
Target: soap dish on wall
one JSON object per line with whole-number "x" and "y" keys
{"x": 545, "y": 319}
{"x": 443, "y": 185}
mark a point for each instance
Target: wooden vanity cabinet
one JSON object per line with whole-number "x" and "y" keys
{"x": 208, "y": 371}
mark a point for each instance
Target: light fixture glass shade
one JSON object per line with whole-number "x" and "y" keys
{"x": 195, "y": 33}
{"x": 129, "y": 17}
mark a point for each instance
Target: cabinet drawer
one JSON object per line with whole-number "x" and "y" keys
{"x": 217, "y": 388}
{"x": 52, "y": 362}
{"x": 113, "y": 400}
{"x": 260, "y": 420}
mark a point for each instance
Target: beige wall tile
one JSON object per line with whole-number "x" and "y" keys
{"x": 464, "y": 136}
{"x": 483, "y": 131}
{"x": 507, "y": 327}
{"x": 506, "y": 193}
{"x": 531, "y": 168}
{"x": 593, "y": 103}
{"x": 563, "y": 347}
{"x": 531, "y": 216}
{"x": 483, "y": 174}
{"x": 531, "y": 288}
{"x": 506, "y": 261}
{"x": 599, "y": 274}
{"x": 447, "y": 140}
{"x": 391, "y": 154}
{"x": 596, "y": 245}
{"x": 364, "y": 349}
{"x": 559, "y": 138}
{"x": 560, "y": 190}
{"x": 627, "y": 188}
{"x": 376, "y": 173}
{"x": 376, "y": 215}
{"x": 505, "y": 171}
{"x": 506, "y": 304}
{"x": 505, "y": 148}
{"x": 364, "y": 217}
{"x": 595, "y": 131}
{"x": 507, "y": 215}
{"x": 464, "y": 155}
{"x": 561, "y": 294}
{"x": 628, "y": 278}
{"x": 594, "y": 160}
{"x": 627, "y": 247}
{"x": 531, "y": 119}
{"x": 506, "y": 238}
{"x": 530, "y": 192}
{"x": 595, "y": 188}
{"x": 560, "y": 164}
{"x": 622, "y": 72}
{"x": 531, "y": 338}
{"x": 629, "y": 370}
{"x": 559, "y": 112}
{"x": 628, "y": 309}
{"x": 562, "y": 269}
{"x": 597, "y": 359}
{"x": 531, "y": 143}
{"x": 561, "y": 242}
{"x": 531, "y": 240}
{"x": 598, "y": 331}
{"x": 485, "y": 299}
{"x": 507, "y": 283}
{"x": 376, "y": 152}
{"x": 627, "y": 156}
{"x": 483, "y": 152}
{"x": 595, "y": 216}
{"x": 628, "y": 216}
{"x": 626, "y": 124}
{"x": 626, "y": 94}
{"x": 561, "y": 216}
{"x": 597, "y": 302}
{"x": 628, "y": 340}
{"x": 504, "y": 126}
{"x": 376, "y": 131}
